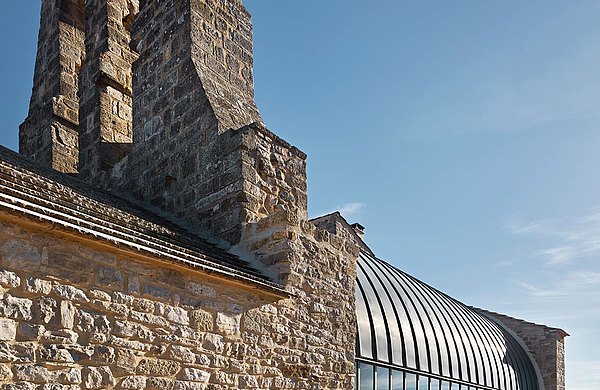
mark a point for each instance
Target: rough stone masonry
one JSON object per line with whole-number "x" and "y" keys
{"x": 154, "y": 100}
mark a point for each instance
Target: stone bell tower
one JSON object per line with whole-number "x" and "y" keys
{"x": 154, "y": 100}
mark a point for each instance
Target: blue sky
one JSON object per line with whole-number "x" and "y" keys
{"x": 463, "y": 135}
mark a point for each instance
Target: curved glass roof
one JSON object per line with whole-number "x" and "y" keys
{"x": 404, "y": 323}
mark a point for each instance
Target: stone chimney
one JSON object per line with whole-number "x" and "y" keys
{"x": 359, "y": 230}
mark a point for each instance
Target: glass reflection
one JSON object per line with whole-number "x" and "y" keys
{"x": 397, "y": 380}
{"x": 366, "y": 377}
{"x": 383, "y": 378}
{"x": 374, "y": 377}
{"x": 423, "y": 383}
{"x": 410, "y": 381}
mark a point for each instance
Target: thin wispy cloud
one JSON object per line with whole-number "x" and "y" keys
{"x": 558, "y": 282}
{"x": 348, "y": 210}
{"x": 570, "y": 239}
{"x": 351, "y": 209}
{"x": 575, "y": 284}
{"x": 539, "y": 292}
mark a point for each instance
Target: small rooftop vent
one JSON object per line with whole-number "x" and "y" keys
{"x": 359, "y": 229}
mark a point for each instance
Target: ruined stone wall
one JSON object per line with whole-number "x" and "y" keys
{"x": 49, "y": 134}
{"x": 547, "y": 345}
{"x": 74, "y": 314}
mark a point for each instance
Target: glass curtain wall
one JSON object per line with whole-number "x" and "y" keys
{"x": 372, "y": 377}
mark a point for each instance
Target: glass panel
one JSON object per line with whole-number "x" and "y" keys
{"x": 383, "y": 378}
{"x": 454, "y": 386}
{"x": 397, "y": 380}
{"x": 445, "y": 385}
{"x": 423, "y": 383}
{"x": 411, "y": 381}
{"x": 435, "y": 384}
{"x": 366, "y": 377}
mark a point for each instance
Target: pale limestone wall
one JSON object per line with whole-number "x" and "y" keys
{"x": 74, "y": 314}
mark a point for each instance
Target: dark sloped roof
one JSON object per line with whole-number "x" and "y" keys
{"x": 41, "y": 193}
{"x": 404, "y": 323}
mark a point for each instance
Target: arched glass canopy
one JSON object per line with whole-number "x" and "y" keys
{"x": 412, "y": 336}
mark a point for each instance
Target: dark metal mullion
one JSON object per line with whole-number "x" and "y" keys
{"x": 492, "y": 343}
{"x": 383, "y": 313}
{"x": 389, "y": 276}
{"x": 522, "y": 378}
{"x": 452, "y": 329}
{"x": 427, "y": 374}
{"x": 428, "y": 315}
{"x": 417, "y": 352}
{"x": 501, "y": 336}
{"x": 444, "y": 328}
{"x": 485, "y": 342}
{"x": 405, "y": 287}
{"x": 381, "y": 306}
{"x": 517, "y": 354}
{"x": 471, "y": 335}
{"x": 391, "y": 300}
{"x": 497, "y": 342}
{"x": 370, "y": 316}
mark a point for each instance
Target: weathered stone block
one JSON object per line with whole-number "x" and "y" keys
{"x": 32, "y": 373}
{"x": 54, "y": 353}
{"x": 9, "y": 279}
{"x": 98, "y": 378}
{"x": 108, "y": 276}
{"x": 182, "y": 354}
{"x": 20, "y": 254}
{"x": 45, "y": 309}
{"x": 158, "y": 367}
{"x": 176, "y": 315}
{"x": 185, "y": 385}
{"x": 70, "y": 293}
{"x": 154, "y": 383}
{"x": 5, "y": 372}
{"x": 213, "y": 343}
{"x": 58, "y": 386}
{"x": 8, "y": 329}
{"x": 67, "y": 315}
{"x": 248, "y": 382}
{"x": 195, "y": 375}
{"x": 228, "y": 324}
{"x": 201, "y": 320}
{"x": 17, "y": 308}
{"x": 19, "y": 386}
{"x": 37, "y": 286}
{"x": 134, "y": 382}
{"x": 200, "y": 289}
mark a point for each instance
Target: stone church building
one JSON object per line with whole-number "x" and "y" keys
{"x": 154, "y": 234}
